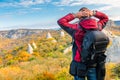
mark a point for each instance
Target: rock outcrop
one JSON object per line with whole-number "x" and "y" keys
{"x": 48, "y": 36}
{"x": 20, "y": 33}
{"x": 30, "y": 49}
{"x": 68, "y": 49}
{"x": 34, "y": 45}
{"x": 110, "y": 23}
{"x": 62, "y": 34}
{"x": 113, "y": 50}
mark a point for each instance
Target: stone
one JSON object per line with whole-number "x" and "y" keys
{"x": 48, "y": 36}
{"x": 30, "y": 49}
{"x": 62, "y": 34}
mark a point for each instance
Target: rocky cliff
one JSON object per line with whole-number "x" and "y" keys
{"x": 113, "y": 50}
{"x": 19, "y": 33}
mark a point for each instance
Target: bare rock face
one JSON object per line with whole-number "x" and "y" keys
{"x": 20, "y": 33}
{"x": 54, "y": 41}
{"x": 30, "y": 49}
{"x": 111, "y": 23}
{"x": 1, "y": 36}
{"x": 68, "y": 49}
{"x": 48, "y": 36}
{"x": 113, "y": 50}
{"x": 109, "y": 33}
{"x": 34, "y": 45}
{"x": 62, "y": 34}
{"x": 14, "y": 34}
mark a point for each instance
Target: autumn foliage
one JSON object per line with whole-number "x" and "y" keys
{"x": 47, "y": 62}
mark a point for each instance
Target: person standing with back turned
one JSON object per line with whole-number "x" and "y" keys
{"x": 77, "y": 34}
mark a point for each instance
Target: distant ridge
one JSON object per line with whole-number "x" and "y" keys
{"x": 117, "y": 22}
{"x": 112, "y": 23}
{"x": 19, "y": 33}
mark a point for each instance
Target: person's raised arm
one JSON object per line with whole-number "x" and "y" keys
{"x": 65, "y": 24}
{"x": 103, "y": 19}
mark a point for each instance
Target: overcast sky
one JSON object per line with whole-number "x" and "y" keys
{"x": 45, "y": 13}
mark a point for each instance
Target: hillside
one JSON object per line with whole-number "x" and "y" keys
{"x": 20, "y": 33}
{"x": 47, "y": 58}
{"x": 36, "y": 66}
{"x": 13, "y": 38}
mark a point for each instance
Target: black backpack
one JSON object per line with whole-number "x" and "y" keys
{"x": 94, "y": 44}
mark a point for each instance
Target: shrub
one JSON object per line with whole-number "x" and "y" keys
{"x": 23, "y": 56}
{"x": 63, "y": 74}
{"x": 109, "y": 73}
{"x": 10, "y": 62}
{"x": 44, "y": 76}
{"x": 116, "y": 71}
{"x": 1, "y": 60}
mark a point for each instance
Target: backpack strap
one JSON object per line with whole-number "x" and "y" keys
{"x": 93, "y": 52}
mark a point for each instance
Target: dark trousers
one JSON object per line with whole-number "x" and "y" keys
{"x": 91, "y": 75}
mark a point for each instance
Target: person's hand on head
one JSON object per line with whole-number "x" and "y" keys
{"x": 90, "y": 13}
{"x": 86, "y": 12}
{"x": 83, "y": 13}
{"x": 78, "y": 15}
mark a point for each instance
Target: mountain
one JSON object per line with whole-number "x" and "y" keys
{"x": 20, "y": 33}
{"x": 10, "y": 39}
{"x": 117, "y": 23}
{"x": 112, "y": 23}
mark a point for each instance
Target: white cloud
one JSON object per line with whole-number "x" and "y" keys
{"x": 18, "y": 12}
{"x": 63, "y": 3}
{"x": 36, "y": 9}
{"x": 26, "y": 11}
{"x": 88, "y": 2}
{"x": 24, "y": 3}
{"x": 27, "y": 3}
{"x": 108, "y": 4}
{"x": 115, "y": 18}
{"x": 4, "y": 4}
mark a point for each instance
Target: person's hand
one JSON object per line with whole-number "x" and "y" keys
{"x": 90, "y": 13}
{"x": 82, "y": 14}
{"x": 78, "y": 15}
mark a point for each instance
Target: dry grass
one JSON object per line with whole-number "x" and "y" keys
{"x": 38, "y": 69}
